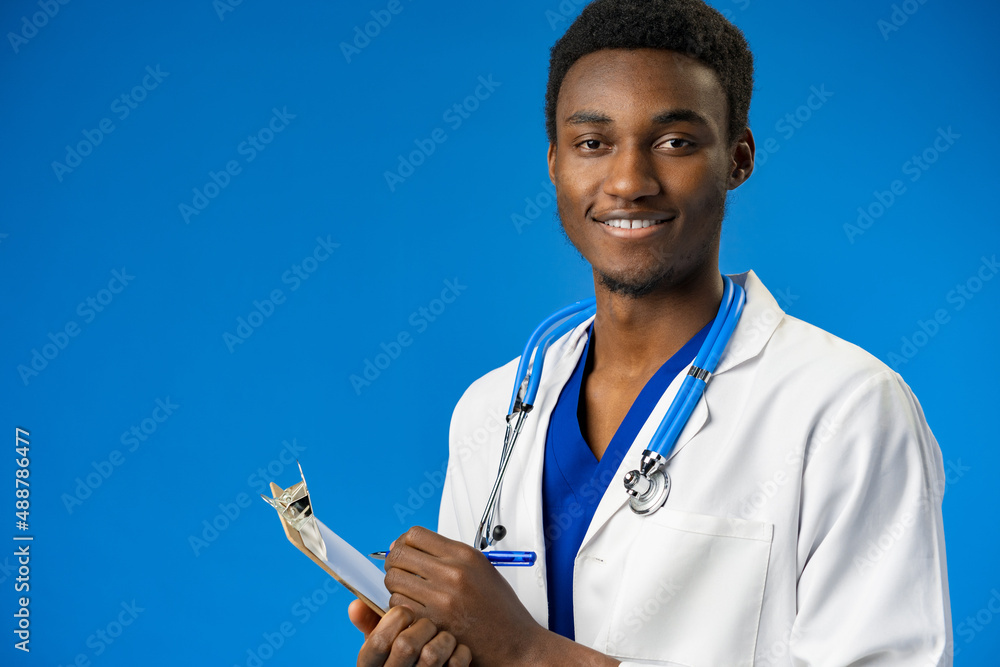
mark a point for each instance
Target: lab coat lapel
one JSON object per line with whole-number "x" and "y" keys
{"x": 758, "y": 321}
{"x": 526, "y": 467}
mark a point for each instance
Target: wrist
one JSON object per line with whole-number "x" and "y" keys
{"x": 529, "y": 647}
{"x": 548, "y": 648}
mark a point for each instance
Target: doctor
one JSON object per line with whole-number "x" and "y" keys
{"x": 804, "y": 522}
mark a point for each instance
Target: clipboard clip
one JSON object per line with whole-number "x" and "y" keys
{"x": 295, "y": 507}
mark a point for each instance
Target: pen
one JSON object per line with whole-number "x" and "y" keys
{"x": 498, "y": 558}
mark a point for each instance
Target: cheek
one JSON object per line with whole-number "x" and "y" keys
{"x": 569, "y": 197}
{"x": 702, "y": 185}
{"x": 576, "y": 197}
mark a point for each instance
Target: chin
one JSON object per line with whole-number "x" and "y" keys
{"x": 632, "y": 286}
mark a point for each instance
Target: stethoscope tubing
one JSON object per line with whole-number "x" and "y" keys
{"x": 572, "y": 322}
{"x": 532, "y": 345}
{"x": 554, "y": 327}
{"x": 551, "y": 329}
{"x": 692, "y": 388}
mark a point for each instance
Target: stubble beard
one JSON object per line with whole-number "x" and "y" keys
{"x": 637, "y": 283}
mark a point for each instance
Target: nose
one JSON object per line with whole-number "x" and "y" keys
{"x": 631, "y": 174}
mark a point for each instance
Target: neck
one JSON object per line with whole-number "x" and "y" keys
{"x": 633, "y": 336}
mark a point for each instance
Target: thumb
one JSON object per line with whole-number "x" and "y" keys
{"x": 362, "y": 616}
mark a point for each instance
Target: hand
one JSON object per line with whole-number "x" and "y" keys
{"x": 456, "y": 587}
{"x": 398, "y": 639}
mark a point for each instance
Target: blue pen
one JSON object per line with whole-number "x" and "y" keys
{"x": 498, "y": 558}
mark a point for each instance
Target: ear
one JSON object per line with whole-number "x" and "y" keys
{"x": 741, "y": 160}
{"x": 552, "y": 163}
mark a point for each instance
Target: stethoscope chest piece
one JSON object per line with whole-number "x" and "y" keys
{"x": 647, "y": 492}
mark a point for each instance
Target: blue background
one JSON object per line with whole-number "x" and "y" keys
{"x": 453, "y": 218}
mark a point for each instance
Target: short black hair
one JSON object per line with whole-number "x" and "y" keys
{"x": 690, "y": 27}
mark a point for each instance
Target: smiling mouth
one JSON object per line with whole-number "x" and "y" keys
{"x": 632, "y": 224}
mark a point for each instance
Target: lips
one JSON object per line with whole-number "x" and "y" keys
{"x": 632, "y": 224}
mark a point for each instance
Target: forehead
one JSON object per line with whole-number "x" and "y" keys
{"x": 618, "y": 82}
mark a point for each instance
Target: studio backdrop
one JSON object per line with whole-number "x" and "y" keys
{"x": 236, "y": 234}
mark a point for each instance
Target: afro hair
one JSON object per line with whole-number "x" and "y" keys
{"x": 689, "y": 27}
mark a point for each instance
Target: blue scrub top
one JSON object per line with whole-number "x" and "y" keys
{"x": 574, "y": 481}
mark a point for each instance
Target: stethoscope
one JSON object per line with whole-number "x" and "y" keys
{"x": 649, "y": 485}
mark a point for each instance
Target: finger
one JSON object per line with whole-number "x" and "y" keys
{"x": 438, "y": 651}
{"x": 414, "y": 560}
{"x": 415, "y": 608}
{"x": 362, "y": 616}
{"x": 408, "y": 589}
{"x": 462, "y": 657}
{"x": 378, "y": 644}
{"x": 427, "y": 541}
{"x": 409, "y": 644}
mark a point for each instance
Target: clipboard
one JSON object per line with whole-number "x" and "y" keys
{"x": 325, "y": 548}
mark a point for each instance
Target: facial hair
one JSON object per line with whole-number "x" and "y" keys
{"x": 635, "y": 285}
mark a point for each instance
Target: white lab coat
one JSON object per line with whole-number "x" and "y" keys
{"x": 803, "y": 526}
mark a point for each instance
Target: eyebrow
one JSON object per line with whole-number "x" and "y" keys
{"x": 668, "y": 117}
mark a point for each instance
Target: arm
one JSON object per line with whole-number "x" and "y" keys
{"x": 873, "y": 585}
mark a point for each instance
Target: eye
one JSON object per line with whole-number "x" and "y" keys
{"x": 590, "y": 144}
{"x": 677, "y": 142}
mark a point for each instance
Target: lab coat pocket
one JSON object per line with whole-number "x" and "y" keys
{"x": 692, "y": 590}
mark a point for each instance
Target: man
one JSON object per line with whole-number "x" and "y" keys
{"x": 804, "y": 523}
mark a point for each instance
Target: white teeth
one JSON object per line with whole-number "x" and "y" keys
{"x": 632, "y": 224}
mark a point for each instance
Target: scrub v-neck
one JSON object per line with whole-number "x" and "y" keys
{"x": 574, "y": 480}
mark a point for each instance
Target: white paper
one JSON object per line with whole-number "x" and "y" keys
{"x": 353, "y": 567}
